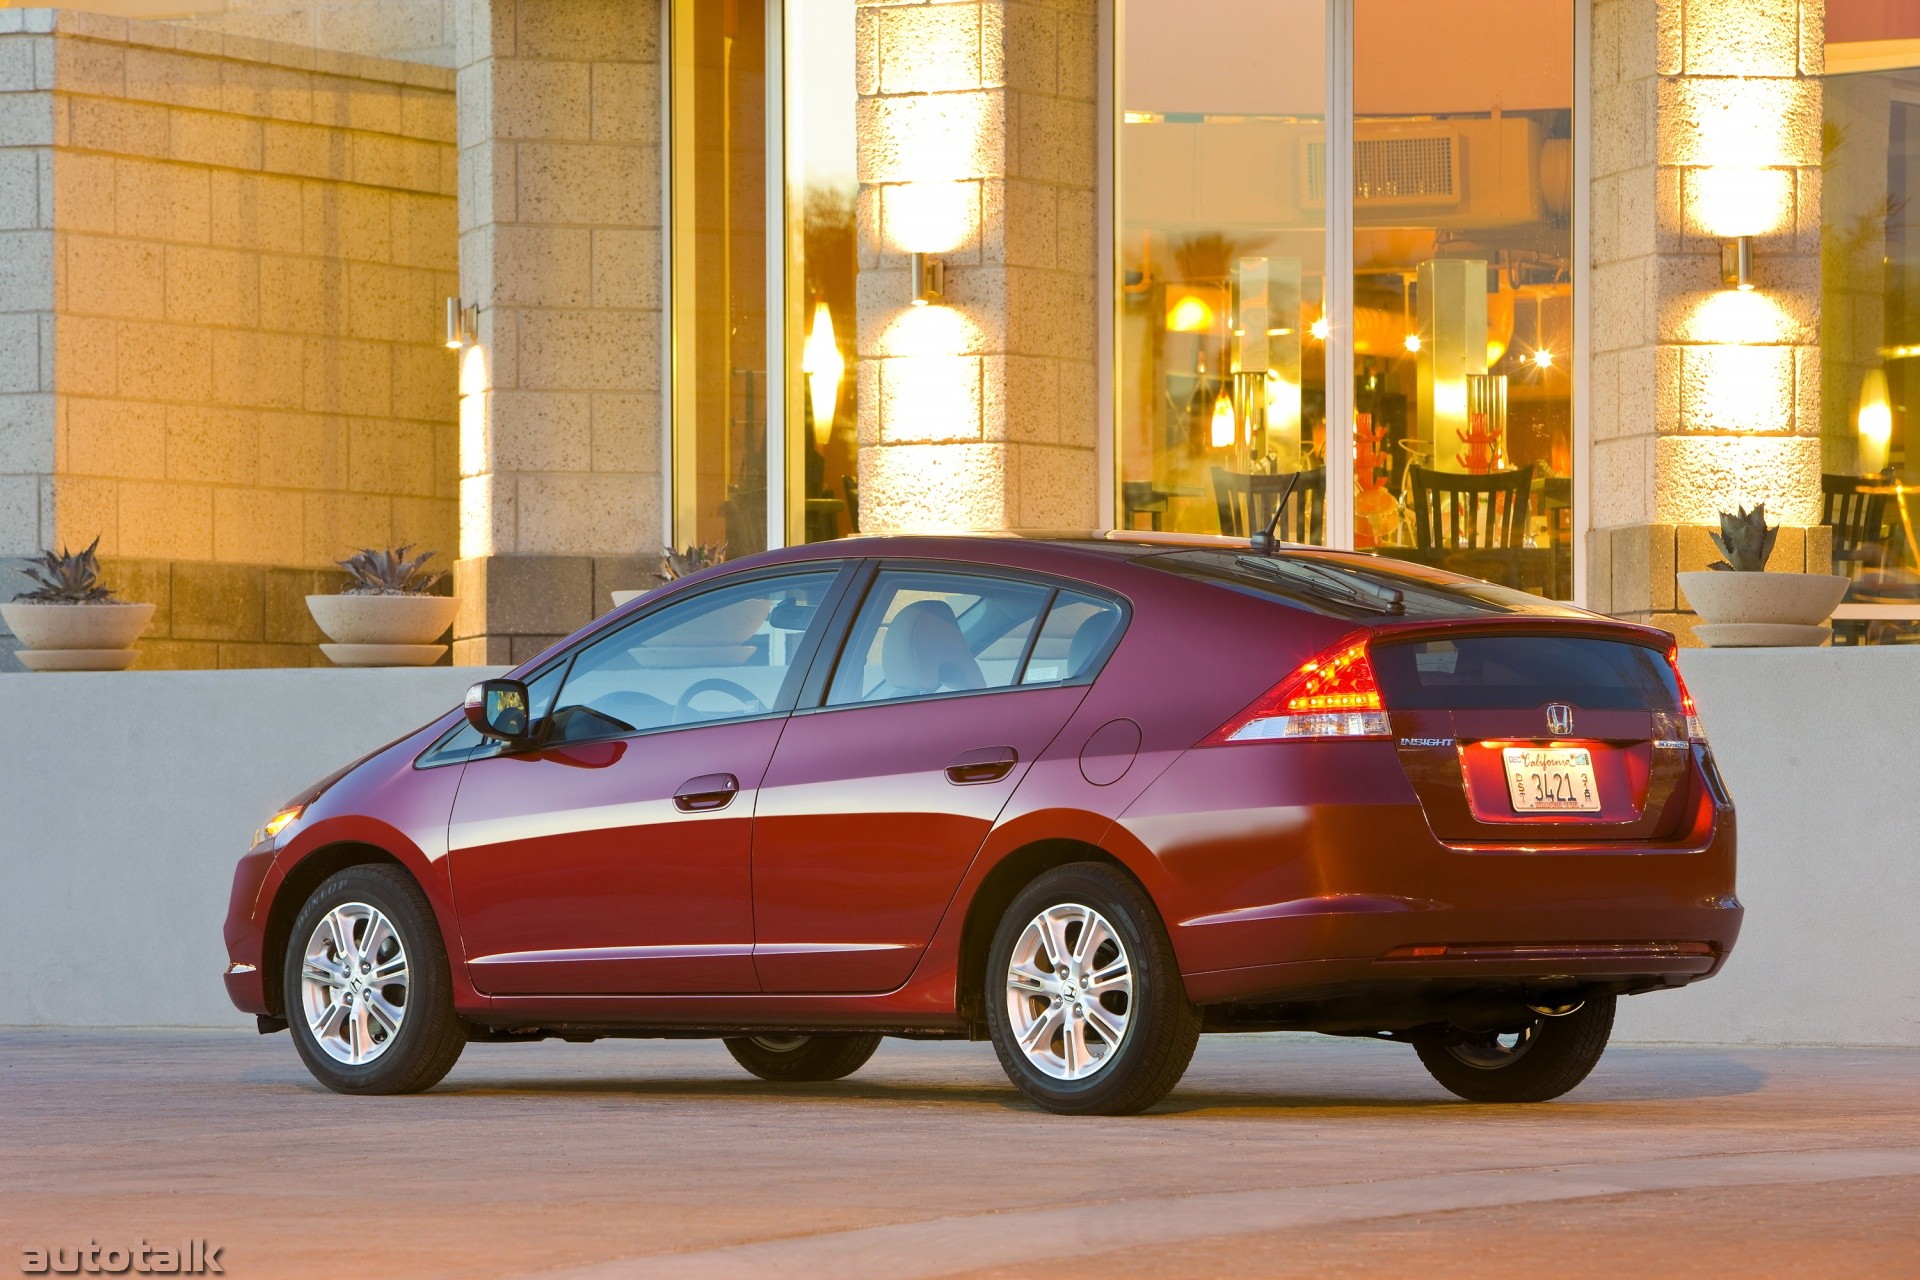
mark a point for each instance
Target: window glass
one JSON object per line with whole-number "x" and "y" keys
{"x": 1519, "y": 673}
{"x": 719, "y": 194}
{"x": 920, "y": 634}
{"x": 726, "y": 654}
{"x": 1463, "y": 286}
{"x": 824, "y": 455}
{"x": 1076, "y": 633}
{"x": 1222, "y": 265}
{"x": 1870, "y": 313}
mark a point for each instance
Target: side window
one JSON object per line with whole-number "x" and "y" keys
{"x": 725, "y": 654}
{"x": 1076, "y": 633}
{"x": 925, "y": 633}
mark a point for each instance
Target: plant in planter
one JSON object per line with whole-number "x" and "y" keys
{"x": 70, "y": 620}
{"x": 677, "y": 564}
{"x": 1741, "y": 605}
{"x": 386, "y": 615}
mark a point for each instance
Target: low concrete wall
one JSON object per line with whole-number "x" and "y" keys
{"x": 1821, "y": 749}
{"x": 125, "y": 799}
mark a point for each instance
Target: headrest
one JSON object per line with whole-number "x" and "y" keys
{"x": 924, "y": 651}
{"x": 1087, "y": 639}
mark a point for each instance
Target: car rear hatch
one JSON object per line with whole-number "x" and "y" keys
{"x": 1563, "y": 733}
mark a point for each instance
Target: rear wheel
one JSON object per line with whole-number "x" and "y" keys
{"x": 366, "y": 988}
{"x": 800, "y": 1059}
{"x": 1536, "y": 1062}
{"x": 1084, "y": 999}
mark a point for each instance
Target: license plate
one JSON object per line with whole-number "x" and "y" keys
{"x": 1551, "y": 780}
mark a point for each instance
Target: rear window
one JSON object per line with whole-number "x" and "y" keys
{"x": 1515, "y": 673}
{"x": 1424, "y": 593}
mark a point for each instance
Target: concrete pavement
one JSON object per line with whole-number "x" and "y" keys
{"x": 1280, "y": 1155}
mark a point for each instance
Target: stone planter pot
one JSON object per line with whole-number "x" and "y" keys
{"x": 76, "y": 637}
{"x": 625, "y": 597}
{"x": 383, "y": 631}
{"x": 1739, "y": 610}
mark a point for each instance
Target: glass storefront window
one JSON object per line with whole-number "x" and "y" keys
{"x": 1222, "y": 265}
{"x": 1463, "y": 286}
{"x": 823, "y": 458}
{"x": 1459, "y": 334}
{"x": 1870, "y": 315}
{"x": 718, "y": 181}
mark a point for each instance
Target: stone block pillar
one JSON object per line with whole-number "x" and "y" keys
{"x": 560, "y": 133}
{"x": 1706, "y": 127}
{"x": 977, "y": 143}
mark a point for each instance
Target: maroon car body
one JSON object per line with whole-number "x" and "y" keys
{"x": 852, "y": 874}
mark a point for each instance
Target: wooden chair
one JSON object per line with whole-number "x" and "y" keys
{"x": 1453, "y": 511}
{"x": 1140, "y": 498}
{"x": 1246, "y": 503}
{"x": 1858, "y": 520}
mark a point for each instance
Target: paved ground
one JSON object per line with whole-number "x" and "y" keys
{"x": 1280, "y": 1156}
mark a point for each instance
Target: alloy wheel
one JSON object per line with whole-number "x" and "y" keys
{"x": 1069, "y": 991}
{"x": 354, "y": 983}
{"x": 1492, "y": 1050}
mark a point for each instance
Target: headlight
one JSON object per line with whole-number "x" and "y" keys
{"x": 278, "y": 823}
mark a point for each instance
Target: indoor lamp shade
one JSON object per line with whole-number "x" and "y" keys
{"x": 821, "y": 361}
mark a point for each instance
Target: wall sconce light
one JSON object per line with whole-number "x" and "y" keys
{"x": 1736, "y": 263}
{"x": 929, "y": 279}
{"x": 463, "y": 324}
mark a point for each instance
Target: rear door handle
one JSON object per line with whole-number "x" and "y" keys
{"x": 987, "y": 764}
{"x": 708, "y": 791}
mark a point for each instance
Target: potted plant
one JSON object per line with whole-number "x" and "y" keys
{"x": 1742, "y": 605}
{"x": 386, "y": 615}
{"x": 677, "y": 564}
{"x": 70, "y": 620}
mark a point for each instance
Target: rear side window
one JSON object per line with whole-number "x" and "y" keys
{"x": 1516, "y": 673}
{"x": 1077, "y": 632}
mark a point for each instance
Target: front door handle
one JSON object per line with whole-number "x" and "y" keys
{"x": 987, "y": 764}
{"x": 708, "y": 791}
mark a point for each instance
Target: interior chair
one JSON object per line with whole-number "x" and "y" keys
{"x": 924, "y": 652}
{"x": 850, "y": 485}
{"x": 1472, "y": 524}
{"x": 1246, "y": 500}
{"x": 1858, "y": 521}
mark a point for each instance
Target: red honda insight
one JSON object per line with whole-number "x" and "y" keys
{"x": 1083, "y": 796}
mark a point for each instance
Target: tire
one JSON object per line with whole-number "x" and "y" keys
{"x": 1551, "y": 1057}
{"x": 802, "y": 1059}
{"x": 342, "y": 1017}
{"x": 1072, "y": 1048}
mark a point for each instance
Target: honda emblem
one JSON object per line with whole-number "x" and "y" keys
{"x": 1559, "y": 719}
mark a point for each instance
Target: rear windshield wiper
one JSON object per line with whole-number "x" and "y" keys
{"x": 1329, "y": 584}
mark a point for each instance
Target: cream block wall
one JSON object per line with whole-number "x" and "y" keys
{"x": 976, "y": 136}
{"x": 415, "y": 30}
{"x": 1706, "y": 124}
{"x": 561, "y": 129}
{"x": 228, "y": 268}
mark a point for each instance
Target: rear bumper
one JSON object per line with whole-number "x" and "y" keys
{"x": 1518, "y": 947}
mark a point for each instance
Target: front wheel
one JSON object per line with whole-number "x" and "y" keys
{"x": 1084, "y": 999}
{"x": 366, "y": 988}
{"x": 802, "y": 1059}
{"x": 1533, "y": 1063}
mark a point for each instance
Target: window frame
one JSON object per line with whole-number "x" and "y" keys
{"x": 813, "y": 698}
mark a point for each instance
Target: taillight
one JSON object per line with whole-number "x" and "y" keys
{"x": 1696, "y": 732}
{"x": 1330, "y": 695}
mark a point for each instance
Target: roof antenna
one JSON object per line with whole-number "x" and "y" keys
{"x": 1264, "y": 542}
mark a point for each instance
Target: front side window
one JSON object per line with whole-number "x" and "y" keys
{"x": 726, "y": 654}
{"x": 920, "y": 634}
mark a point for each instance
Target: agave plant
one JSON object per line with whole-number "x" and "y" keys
{"x": 1745, "y": 539}
{"x": 678, "y": 564}
{"x": 66, "y": 578}
{"x": 388, "y": 573}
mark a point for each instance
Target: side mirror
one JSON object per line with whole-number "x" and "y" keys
{"x": 501, "y": 709}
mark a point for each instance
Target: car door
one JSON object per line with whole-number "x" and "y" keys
{"x": 878, "y": 799}
{"x": 613, "y": 857}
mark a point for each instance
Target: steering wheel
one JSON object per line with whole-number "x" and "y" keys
{"x": 683, "y": 709}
